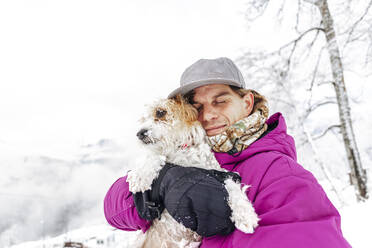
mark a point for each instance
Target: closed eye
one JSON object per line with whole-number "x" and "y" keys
{"x": 220, "y": 101}
{"x": 198, "y": 107}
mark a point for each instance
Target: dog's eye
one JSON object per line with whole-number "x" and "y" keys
{"x": 160, "y": 113}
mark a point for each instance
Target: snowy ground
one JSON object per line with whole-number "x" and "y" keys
{"x": 355, "y": 225}
{"x": 100, "y": 236}
{"x": 356, "y": 220}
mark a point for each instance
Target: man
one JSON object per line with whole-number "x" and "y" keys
{"x": 292, "y": 206}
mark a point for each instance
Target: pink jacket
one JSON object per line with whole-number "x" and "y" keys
{"x": 293, "y": 208}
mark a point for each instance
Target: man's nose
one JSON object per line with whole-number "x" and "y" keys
{"x": 209, "y": 113}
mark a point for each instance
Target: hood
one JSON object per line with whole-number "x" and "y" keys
{"x": 277, "y": 140}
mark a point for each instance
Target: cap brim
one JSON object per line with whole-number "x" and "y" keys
{"x": 190, "y": 86}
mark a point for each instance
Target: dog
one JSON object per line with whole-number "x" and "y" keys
{"x": 170, "y": 133}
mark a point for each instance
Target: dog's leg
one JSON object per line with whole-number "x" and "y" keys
{"x": 242, "y": 211}
{"x": 141, "y": 178}
{"x": 168, "y": 233}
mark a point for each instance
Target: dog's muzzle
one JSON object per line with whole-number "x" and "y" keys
{"x": 143, "y": 136}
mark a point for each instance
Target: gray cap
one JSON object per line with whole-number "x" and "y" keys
{"x": 209, "y": 71}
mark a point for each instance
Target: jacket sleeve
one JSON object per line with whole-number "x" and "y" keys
{"x": 119, "y": 208}
{"x": 294, "y": 212}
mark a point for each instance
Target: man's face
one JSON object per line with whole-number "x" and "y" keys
{"x": 219, "y": 107}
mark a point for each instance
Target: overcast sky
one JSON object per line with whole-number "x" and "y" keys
{"x": 75, "y": 71}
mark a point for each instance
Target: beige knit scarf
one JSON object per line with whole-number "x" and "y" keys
{"x": 242, "y": 133}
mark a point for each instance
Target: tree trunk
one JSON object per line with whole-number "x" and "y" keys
{"x": 313, "y": 147}
{"x": 358, "y": 176}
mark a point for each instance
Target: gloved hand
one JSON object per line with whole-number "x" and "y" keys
{"x": 149, "y": 204}
{"x": 195, "y": 197}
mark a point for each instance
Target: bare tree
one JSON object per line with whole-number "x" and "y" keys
{"x": 330, "y": 42}
{"x": 274, "y": 73}
{"x": 358, "y": 176}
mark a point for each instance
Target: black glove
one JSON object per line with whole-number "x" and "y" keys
{"x": 196, "y": 198}
{"x": 149, "y": 204}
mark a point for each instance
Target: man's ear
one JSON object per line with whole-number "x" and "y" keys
{"x": 249, "y": 102}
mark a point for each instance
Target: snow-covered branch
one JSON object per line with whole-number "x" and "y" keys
{"x": 332, "y": 127}
{"x": 313, "y": 107}
{"x": 351, "y": 29}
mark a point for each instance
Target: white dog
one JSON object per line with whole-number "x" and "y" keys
{"x": 171, "y": 133}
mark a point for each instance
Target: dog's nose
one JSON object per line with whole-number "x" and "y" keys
{"x": 142, "y": 133}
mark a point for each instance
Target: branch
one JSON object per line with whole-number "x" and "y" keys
{"x": 315, "y": 106}
{"x": 314, "y": 40}
{"x": 279, "y": 14}
{"x": 316, "y": 69}
{"x": 295, "y": 42}
{"x": 326, "y": 82}
{"x": 326, "y": 131}
{"x": 258, "y": 6}
{"x": 298, "y": 15}
{"x": 352, "y": 28}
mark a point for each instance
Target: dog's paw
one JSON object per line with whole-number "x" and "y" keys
{"x": 246, "y": 221}
{"x": 137, "y": 183}
{"x": 242, "y": 211}
{"x": 141, "y": 178}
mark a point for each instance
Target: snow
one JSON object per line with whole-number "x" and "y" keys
{"x": 97, "y": 236}
{"x": 356, "y": 220}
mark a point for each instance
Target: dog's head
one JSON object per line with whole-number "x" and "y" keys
{"x": 170, "y": 124}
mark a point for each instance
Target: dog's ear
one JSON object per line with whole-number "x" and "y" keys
{"x": 186, "y": 111}
{"x": 179, "y": 99}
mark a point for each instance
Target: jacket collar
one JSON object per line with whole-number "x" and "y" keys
{"x": 275, "y": 140}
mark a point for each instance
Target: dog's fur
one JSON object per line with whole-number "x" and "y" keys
{"x": 171, "y": 133}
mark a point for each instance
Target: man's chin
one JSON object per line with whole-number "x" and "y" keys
{"x": 216, "y": 131}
